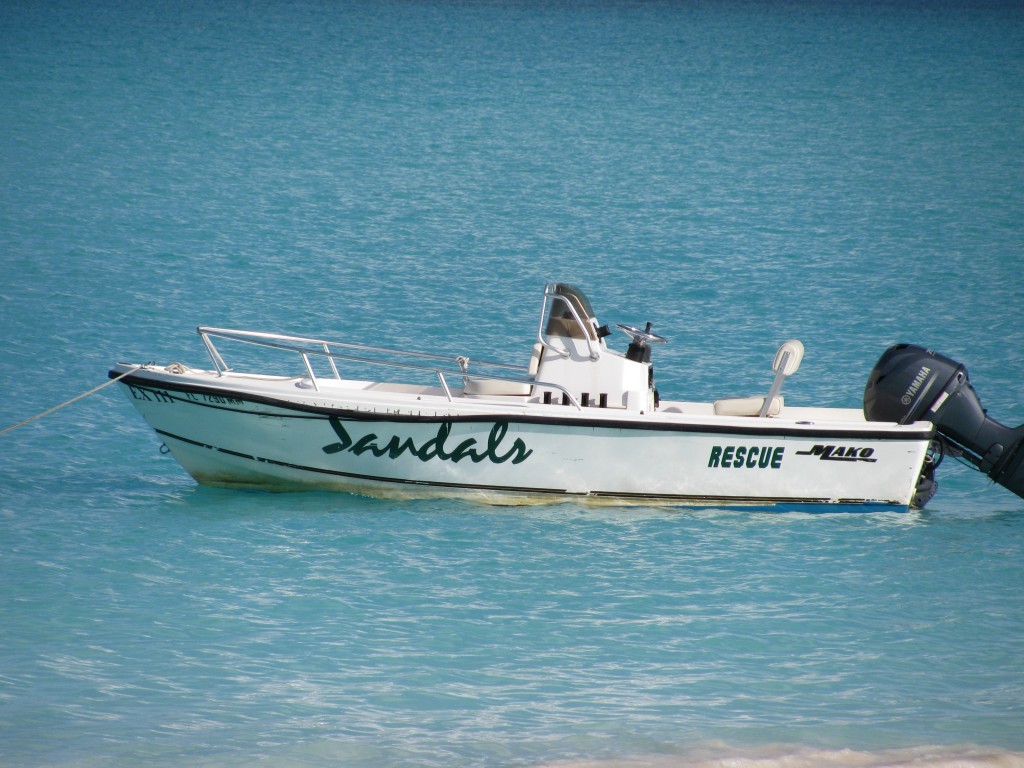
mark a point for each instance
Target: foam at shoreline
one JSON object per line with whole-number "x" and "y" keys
{"x": 719, "y": 755}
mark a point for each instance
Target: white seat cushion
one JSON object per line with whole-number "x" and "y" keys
{"x": 746, "y": 406}
{"x": 495, "y": 388}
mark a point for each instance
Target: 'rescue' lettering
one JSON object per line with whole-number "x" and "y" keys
{"x": 746, "y": 456}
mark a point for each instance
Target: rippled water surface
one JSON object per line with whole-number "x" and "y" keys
{"x": 738, "y": 173}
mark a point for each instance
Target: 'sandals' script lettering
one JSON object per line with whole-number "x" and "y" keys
{"x": 433, "y": 448}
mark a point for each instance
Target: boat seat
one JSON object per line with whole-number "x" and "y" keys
{"x": 500, "y": 387}
{"x": 495, "y": 388}
{"x": 747, "y": 406}
{"x": 538, "y": 350}
{"x": 787, "y": 360}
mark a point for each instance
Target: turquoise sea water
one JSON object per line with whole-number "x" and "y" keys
{"x": 738, "y": 173}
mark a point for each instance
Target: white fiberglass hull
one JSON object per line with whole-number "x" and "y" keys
{"x": 267, "y": 432}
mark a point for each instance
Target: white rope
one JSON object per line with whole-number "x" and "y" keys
{"x": 69, "y": 402}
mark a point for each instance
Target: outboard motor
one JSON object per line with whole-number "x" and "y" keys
{"x": 911, "y": 383}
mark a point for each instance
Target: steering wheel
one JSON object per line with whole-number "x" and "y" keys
{"x": 641, "y": 336}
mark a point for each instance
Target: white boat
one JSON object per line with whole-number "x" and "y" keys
{"x": 577, "y": 421}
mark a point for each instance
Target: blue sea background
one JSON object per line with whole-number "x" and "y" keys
{"x": 412, "y": 173}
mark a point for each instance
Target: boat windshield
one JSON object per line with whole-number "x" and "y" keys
{"x": 561, "y": 321}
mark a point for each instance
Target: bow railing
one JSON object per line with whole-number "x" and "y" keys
{"x": 334, "y": 352}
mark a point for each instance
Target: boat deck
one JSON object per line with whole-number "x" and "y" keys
{"x": 415, "y": 400}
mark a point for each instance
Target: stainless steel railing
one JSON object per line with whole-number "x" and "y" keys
{"x": 365, "y": 354}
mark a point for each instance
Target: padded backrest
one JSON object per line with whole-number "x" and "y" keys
{"x": 795, "y": 350}
{"x": 538, "y": 350}
{"x": 787, "y": 360}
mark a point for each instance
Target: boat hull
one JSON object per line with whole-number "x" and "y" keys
{"x": 228, "y": 437}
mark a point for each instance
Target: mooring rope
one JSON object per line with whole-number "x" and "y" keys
{"x": 75, "y": 399}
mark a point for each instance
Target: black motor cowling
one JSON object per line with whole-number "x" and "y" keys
{"x": 911, "y": 383}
